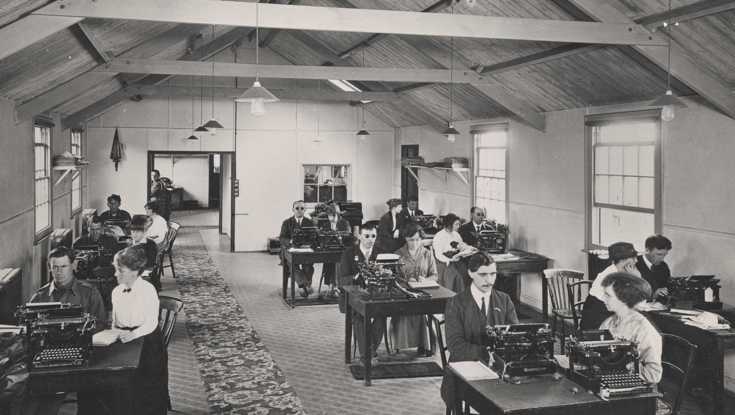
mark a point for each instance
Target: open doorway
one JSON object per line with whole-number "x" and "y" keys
{"x": 409, "y": 187}
{"x": 198, "y": 186}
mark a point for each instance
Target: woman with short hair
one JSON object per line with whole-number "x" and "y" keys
{"x": 447, "y": 246}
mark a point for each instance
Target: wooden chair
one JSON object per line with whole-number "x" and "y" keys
{"x": 561, "y": 306}
{"x": 438, "y": 320}
{"x": 168, "y": 310}
{"x": 577, "y": 293}
{"x": 167, "y": 246}
{"x": 678, "y": 359}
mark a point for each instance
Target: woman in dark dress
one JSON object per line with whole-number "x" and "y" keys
{"x": 389, "y": 228}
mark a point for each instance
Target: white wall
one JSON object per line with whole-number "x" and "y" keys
{"x": 191, "y": 172}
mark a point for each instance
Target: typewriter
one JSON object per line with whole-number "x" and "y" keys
{"x": 58, "y": 334}
{"x": 329, "y": 240}
{"x": 696, "y": 291}
{"x": 522, "y": 349}
{"x": 305, "y": 237}
{"x": 606, "y": 366}
{"x": 427, "y": 224}
{"x": 382, "y": 279}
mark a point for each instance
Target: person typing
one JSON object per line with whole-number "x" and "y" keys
{"x": 337, "y": 224}
{"x": 448, "y": 246}
{"x": 158, "y": 227}
{"x": 471, "y": 229}
{"x": 114, "y": 213}
{"x": 652, "y": 267}
{"x": 303, "y": 273}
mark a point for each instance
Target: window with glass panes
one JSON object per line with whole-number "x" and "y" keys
{"x": 76, "y": 180}
{"x": 491, "y": 155}
{"x": 42, "y": 177}
{"x": 625, "y": 180}
{"x": 325, "y": 182}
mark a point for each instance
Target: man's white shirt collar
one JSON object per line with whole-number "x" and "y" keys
{"x": 648, "y": 263}
{"x": 478, "y": 295}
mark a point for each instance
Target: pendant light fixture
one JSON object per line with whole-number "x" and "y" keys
{"x": 201, "y": 128}
{"x": 668, "y": 101}
{"x": 212, "y": 125}
{"x": 450, "y": 132}
{"x": 191, "y": 84}
{"x": 363, "y": 133}
{"x": 317, "y": 138}
{"x": 257, "y": 95}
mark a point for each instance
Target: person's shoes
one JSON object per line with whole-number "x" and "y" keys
{"x": 303, "y": 292}
{"x": 309, "y": 289}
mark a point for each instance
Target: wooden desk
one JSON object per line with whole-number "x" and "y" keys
{"x": 110, "y": 369}
{"x": 298, "y": 258}
{"x": 526, "y": 262}
{"x": 710, "y": 357}
{"x": 543, "y": 396}
{"x": 370, "y": 308}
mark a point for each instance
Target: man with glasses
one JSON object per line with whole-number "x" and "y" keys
{"x": 471, "y": 229}
{"x": 469, "y": 313}
{"x": 349, "y": 270}
{"x": 302, "y": 273}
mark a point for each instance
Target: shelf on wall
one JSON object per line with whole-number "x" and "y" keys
{"x": 66, "y": 169}
{"x": 461, "y": 172}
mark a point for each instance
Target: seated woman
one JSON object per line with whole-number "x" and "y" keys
{"x": 417, "y": 264}
{"x": 448, "y": 241}
{"x": 623, "y": 256}
{"x": 468, "y": 313}
{"x": 137, "y": 231}
{"x": 158, "y": 226}
{"x": 335, "y": 223}
{"x": 622, "y": 293}
{"x": 135, "y": 311}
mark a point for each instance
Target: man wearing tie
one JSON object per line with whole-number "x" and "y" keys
{"x": 468, "y": 313}
{"x": 471, "y": 229}
{"x": 303, "y": 273}
{"x": 412, "y": 209}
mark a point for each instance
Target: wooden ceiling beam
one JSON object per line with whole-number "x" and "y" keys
{"x": 31, "y": 29}
{"x": 225, "y": 69}
{"x": 295, "y": 17}
{"x": 687, "y": 12}
{"x": 683, "y": 66}
{"x": 92, "y": 43}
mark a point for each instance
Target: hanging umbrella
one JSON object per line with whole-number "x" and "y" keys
{"x": 116, "y": 153}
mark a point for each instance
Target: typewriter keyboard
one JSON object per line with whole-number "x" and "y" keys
{"x": 618, "y": 384}
{"x": 59, "y": 356}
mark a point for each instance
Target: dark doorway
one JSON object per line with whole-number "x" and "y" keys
{"x": 215, "y": 172}
{"x": 409, "y": 187}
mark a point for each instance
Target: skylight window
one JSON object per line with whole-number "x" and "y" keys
{"x": 345, "y": 86}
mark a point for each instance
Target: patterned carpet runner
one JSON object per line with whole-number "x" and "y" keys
{"x": 239, "y": 373}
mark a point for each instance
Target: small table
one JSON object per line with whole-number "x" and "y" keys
{"x": 710, "y": 352}
{"x": 370, "y": 308}
{"x": 542, "y": 396}
{"x": 313, "y": 257}
{"x": 110, "y": 368}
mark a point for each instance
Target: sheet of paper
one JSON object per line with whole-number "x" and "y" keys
{"x": 423, "y": 284}
{"x": 562, "y": 360}
{"x": 300, "y": 250}
{"x": 105, "y": 337}
{"x": 473, "y": 370}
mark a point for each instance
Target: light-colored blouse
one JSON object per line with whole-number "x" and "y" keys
{"x": 636, "y": 328}
{"x": 421, "y": 264}
{"x": 137, "y": 308}
{"x": 442, "y": 243}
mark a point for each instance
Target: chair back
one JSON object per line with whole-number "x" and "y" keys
{"x": 677, "y": 361}
{"x": 577, "y": 293}
{"x": 438, "y": 320}
{"x": 173, "y": 230}
{"x": 558, "y": 279}
{"x": 168, "y": 309}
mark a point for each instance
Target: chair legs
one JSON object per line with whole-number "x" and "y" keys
{"x": 171, "y": 264}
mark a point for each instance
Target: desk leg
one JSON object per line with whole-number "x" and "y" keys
{"x": 293, "y": 284}
{"x": 285, "y": 273}
{"x": 367, "y": 360}
{"x": 458, "y": 395}
{"x": 718, "y": 383}
{"x": 544, "y": 297}
{"x": 348, "y": 329}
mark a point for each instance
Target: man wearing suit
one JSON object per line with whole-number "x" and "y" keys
{"x": 349, "y": 271}
{"x": 471, "y": 229}
{"x": 303, "y": 273}
{"x": 412, "y": 210}
{"x": 469, "y": 312}
{"x": 652, "y": 267}
{"x": 337, "y": 224}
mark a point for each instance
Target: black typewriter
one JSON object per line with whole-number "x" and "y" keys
{"x": 329, "y": 240}
{"x": 383, "y": 279}
{"x": 305, "y": 237}
{"x": 695, "y": 291}
{"x": 427, "y": 224}
{"x": 606, "y": 366}
{"x": 522, "y": 349}
{"x": 58, "y": 334}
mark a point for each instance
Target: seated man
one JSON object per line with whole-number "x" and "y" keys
{"x": 66, "y": 288}
{"x": 363, "y": 252}
{"x": 338, "y": 224}
{"x": 412, "y": 209}
{"x": 469, "y": 313}
{"x": 115, "y": 213}
{"x": 158, "y": 227}
{"x": 652, "y": 267}
{"x": 137, "y": 232}
{"x": 302, "y": 273}
{"x": 471, "y": 229}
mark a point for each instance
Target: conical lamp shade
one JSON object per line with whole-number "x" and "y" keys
{"x": 192, "y": 137}
{"x": 257, "y": 93}
{"x": 213, "y": 124}
{"x": 201, "y": 129}
{"x": 363, "y": 132}
{"x": 450, "y": 130}
{"x": 668, "y": 99}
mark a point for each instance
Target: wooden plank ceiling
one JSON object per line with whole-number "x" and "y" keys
{"x": 583, "y": 77}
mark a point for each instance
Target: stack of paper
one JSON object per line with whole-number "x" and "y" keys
{"x": 424, "y": 283}
{"x": 105, "y": 337}
{"x": 473, "y": 370}
{"x": 300, "y": 250}
{"x": 504, "y": 257}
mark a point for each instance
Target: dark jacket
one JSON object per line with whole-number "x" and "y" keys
{"x": 287, "y": 230}
{"x": 107, "y": 215}
{"x": 658, "y": 276}
{"x": 348, "y": 264}
{"x": 386, "y": 242}
{"x": 80, "y": 293}
{"x": 468, "y": 233}
{"x": 465, "y": 328}
{"x": 407, "y": 216}
{"x": 151, "y": 250}
{"x": 342, "y": 225}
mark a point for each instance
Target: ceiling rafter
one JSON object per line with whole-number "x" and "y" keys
{"x": 687, "y": 12}
{"x": 88, "y": 38}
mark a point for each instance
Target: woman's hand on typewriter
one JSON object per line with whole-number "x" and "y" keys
{"x": 127, "y": 336}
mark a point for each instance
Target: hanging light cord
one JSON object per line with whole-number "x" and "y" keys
{"x": 257, "y": 41}
{"x": 363, "y": 104}
{"x": 451, "y": 73}
{"x": 668, "y": 68}
{"x": 212, "y": 82}
{"x": 201, "y": 100}
{"x": 191, "y": 83}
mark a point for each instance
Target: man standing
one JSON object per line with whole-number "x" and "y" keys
{"x": 470, "y": 230}
{"x": 349, "y": 271}
{"x": 160, "y": 194}
{"x": 302, "y": 273}
{"x": 652, "y": 267}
